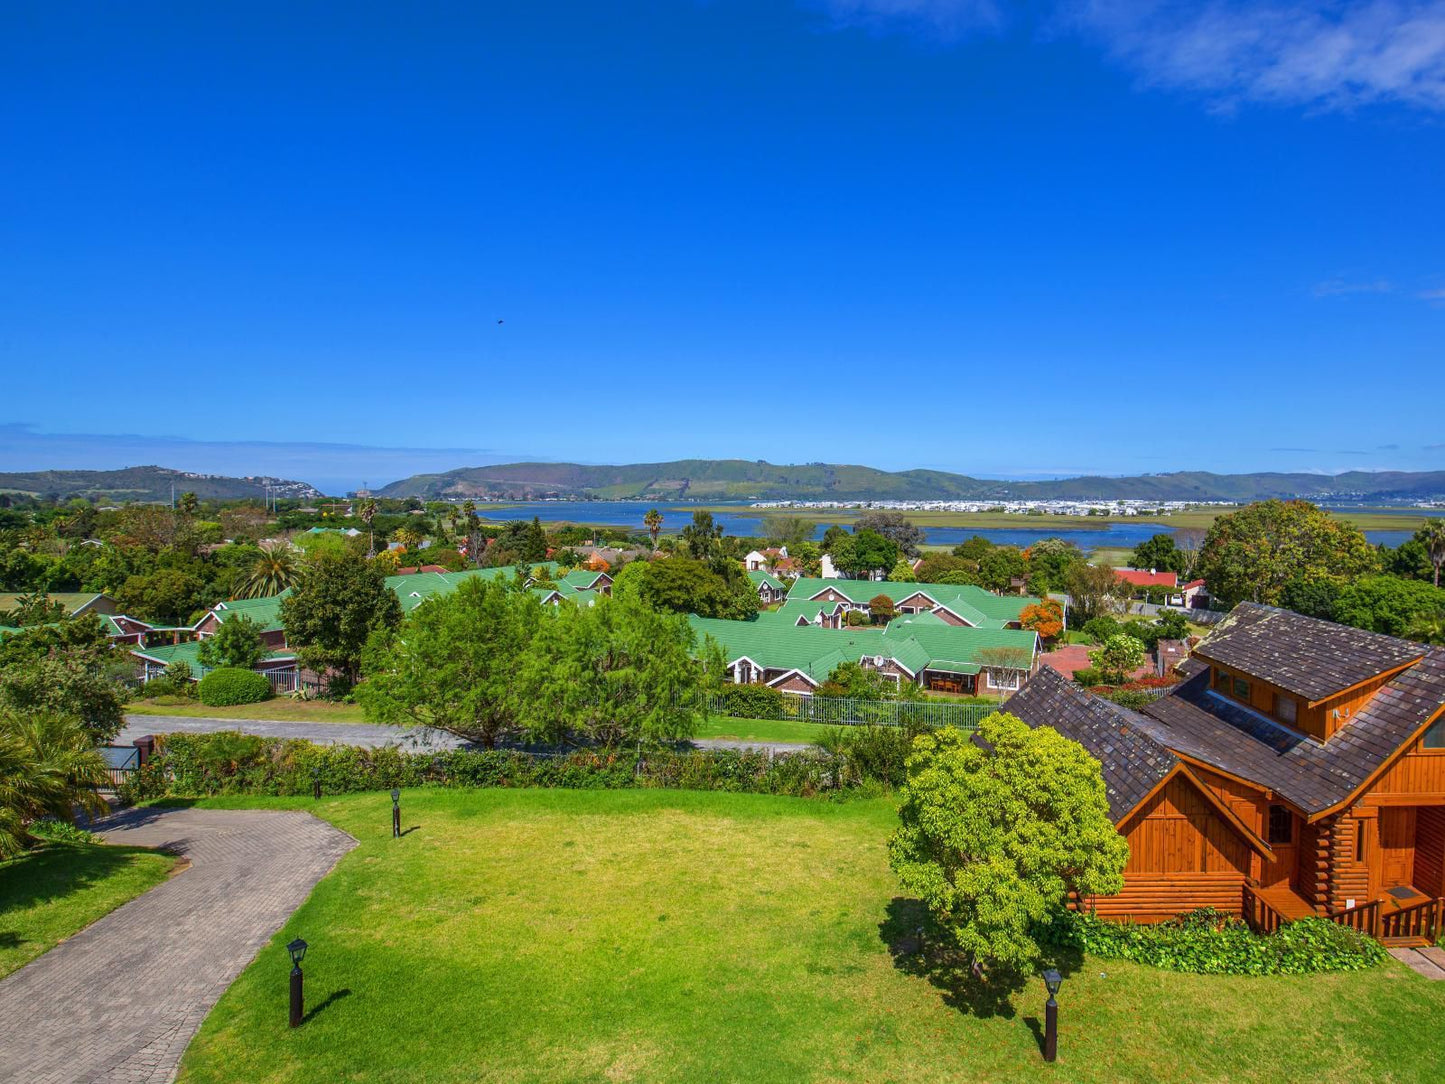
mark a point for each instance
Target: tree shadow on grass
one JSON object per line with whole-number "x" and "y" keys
{"x": 918, "y": 948}
{"x": 55, "y": 870}
{"x": 331, "y": 999}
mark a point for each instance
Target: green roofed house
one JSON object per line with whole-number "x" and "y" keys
{"x": 955, "y": 604}
{"x": 798, "y": 611}
{"x": 924, "y": 650}
{"x": 118, "y": 626}
{"x": 770, "y": 589}
{"x": 278, "y": 665}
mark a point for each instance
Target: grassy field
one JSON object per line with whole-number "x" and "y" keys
{"x": 280, "y": 709}
{"x": 722, "y": 726}
{"x": 679, "y": 936}
{"x": 52, "y": 893}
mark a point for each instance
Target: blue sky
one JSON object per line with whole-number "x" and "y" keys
{"x": 346, "y": 242}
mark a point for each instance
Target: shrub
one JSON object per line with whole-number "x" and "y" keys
{"x": 1100, "y": 629}
{"x": 1209, "y": 942}
{"x": 176, "y": 681}
{"x": 752, "y": 702}
{"x": 1088, "y": 676}
{"x": 231, "y": 685}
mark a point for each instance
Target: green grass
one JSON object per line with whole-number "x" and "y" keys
{"x": 61, "y": 888}
{"x": 680, "y": 936}
{"x": 722, "y": 726}
{"x": 280, "y": 709}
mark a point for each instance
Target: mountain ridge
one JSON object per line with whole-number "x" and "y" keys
{"x": 149, "y": 484}
{"x": 740, "y": 479}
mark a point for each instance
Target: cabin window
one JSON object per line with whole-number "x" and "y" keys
{"x": 1284, "y": 707}
{"x": 1221, "y": 679}
{"x": 1281, "y": 825}
{"x": 1241, "y": 690}
{"x": 1362, "y": 829}
{"x": 1434, "y": 736}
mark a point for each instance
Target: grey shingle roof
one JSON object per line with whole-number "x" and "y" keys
{"x": 1133, "y": 763}
{"x": 1304, "y": 655}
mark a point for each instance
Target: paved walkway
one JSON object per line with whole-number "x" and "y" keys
{"x": 368, "y": 735}
{"x": 119, "y": 1001}
{"x": 1429, "y": 962}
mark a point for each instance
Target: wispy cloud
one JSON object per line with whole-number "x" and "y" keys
{"x": 1339, "y": 287}
{"x": 1435, "y": 297}
{"x": 1324, "y": 55}
{"x": 1319, "y": 54}
{"x": 1387, "y": 447}
{"x": 1311, "y": 451}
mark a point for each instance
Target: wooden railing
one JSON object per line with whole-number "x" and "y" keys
{"x": 1421, "y": 920}
{"x": 1364, "y": 917}
{"x": 1262, "y": 918}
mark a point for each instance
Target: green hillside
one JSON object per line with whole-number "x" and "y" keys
{"x": 146, "y": 484}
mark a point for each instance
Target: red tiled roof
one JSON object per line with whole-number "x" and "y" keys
{"x": 1142, "y": 577}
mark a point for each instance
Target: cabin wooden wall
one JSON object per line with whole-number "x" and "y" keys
{"x": 1320, "y": 721}
{"x": 1430, "y": 850}
{"x": 1418, "y": 777}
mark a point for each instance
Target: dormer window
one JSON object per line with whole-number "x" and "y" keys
{"x": 1434, "y": 737}
{"x": 1240, "y": 690}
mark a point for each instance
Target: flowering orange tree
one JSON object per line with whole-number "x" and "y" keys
{"x": 1045, "y": 618}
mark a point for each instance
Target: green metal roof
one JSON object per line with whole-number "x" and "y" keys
{"x": 71, "y": 600}
{"x": 978, "y": 607}
{"x": 760, "y": 577}
{"x": 265, "y": 612}
{"x": 187, "y": 653}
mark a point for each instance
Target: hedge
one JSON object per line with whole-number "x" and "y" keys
{"x": 1209, "y": 942}
{"x": 229, "y": 762}
{"x": 232, "y": 685}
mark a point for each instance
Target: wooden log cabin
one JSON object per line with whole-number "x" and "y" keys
{"x": 1299, "y": 770}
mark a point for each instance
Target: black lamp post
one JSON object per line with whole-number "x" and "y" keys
{"x": 297, "y": 949}
{"x": 395, "y": 813}
{"x": 316, "y": 782}
{"x": 1052, "y": 980}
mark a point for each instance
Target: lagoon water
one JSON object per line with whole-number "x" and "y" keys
{"x": 741, "y": 519}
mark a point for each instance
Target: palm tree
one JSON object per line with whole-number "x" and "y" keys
{"x": 48, "y": 767}
{"x": 653, "y": 522}
{"x": 1432, "y": 537}
{"x": 274, "y": 571}
{"x": 368, "y": 513}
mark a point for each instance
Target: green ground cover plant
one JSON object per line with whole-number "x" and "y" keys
{"x": 231, "y": 685}
{"x": 526, "y": 935}
{"x": 55, "y": 891}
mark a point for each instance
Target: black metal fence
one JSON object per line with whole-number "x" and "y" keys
{"x": 842, "y": 711}
{"x": 120, "y": 762}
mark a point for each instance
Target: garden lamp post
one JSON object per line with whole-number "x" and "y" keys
{"x": 297, "y": 949}
{"x": 316, "y": 782}
{"x": 1052, "y": 981}
{"x": 395, "y": 813}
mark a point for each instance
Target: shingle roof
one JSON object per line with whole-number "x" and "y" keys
{"x": 1133, "y": 764}
{"x": 1314, "y": 776}
{"x": 1304, "y": 655}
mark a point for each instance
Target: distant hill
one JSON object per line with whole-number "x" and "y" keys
{"x": 740, "y": 479}
{"x": 147, "y": 484}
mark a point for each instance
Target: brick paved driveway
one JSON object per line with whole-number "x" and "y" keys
{"x": 120, "y": 1000}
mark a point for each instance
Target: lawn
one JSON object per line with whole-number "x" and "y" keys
{"x": 722, "y": 726}
{"x": 681, "y": 936}
{"x": 56, "y": 891}
{"x": 279, "y": 709}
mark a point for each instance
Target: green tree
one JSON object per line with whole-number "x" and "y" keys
{"x": 236, "y": 643}
{"x": 1253, "y": 553}
{"x": 937, "y": 565}
{"x": 455, "y": 664}
{"x": 368, "y": 515}
{"x": 652, "y": 520}
{"x": 36, "y": 609}
{"x": 1053, "y": 559}
{"x": 49, "y": 767}
{"x": 80, "y": 685}
{"x": 701, "y": 536}
{"x": 1432, "y": 536}
{"x": 881, "y": 609}
{"x": 893, "y": 526}
{"x": 999, "y": 567}
{"x": 1389, "y": 605}
{"x": 616, "y": 673}
{"x": 188, "y": 505}
{"x": 871, "y": 551}
{"x": 534, "y": 544}
{"x": 789, "y": 531}
{"x": 1118, "y": 657}
{"x": 973, "y": 549}
{"x": 1094, "y": 591}
{"x": 687, "y": 586}
{"x": 994, "y": 839}
{"x": 271, "y": 573}
{"x": 1159, "y": 552}
{"x": 902, "y": 572}
{"x": 167, "y": 596}
{"x": 1313, "y": 596}
{"x": 339, "y": 600}
{"x": 851, "y": 681}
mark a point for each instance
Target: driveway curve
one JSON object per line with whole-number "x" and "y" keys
{"x": 120, "y": 1000}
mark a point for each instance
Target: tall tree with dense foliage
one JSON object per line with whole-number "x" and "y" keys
{"x": 70, "y": 669}
{"x": 999, "y": 567}
{"x": 271, "y": 573}
{"x": 1118, "y": 657}
{"x": 902, "y": 572}
{"x": 687, "y": 586}
{"x": 1094, "y": 591}
{"x": 701, "y": 536}
{"x": 1051, "y": 560}
{"x": 870, "y": 552}
{"x": 1159, "y": 552}
{"x": 1045, "y": 617}
{"x": 236, "y": 643}
{"x": 1389, "y": 605}
{"x": 1431, "y": 535}
{"x": 994, "y": 839}
{"x": 49, "y": 767}
{"x": 367, "y": 513}
{"x": 454, "y": 664}
{"x": 339, "y": 600}
{"x": 616, "y": 673}
{"x": 893, "y": 526}
{"x": 1253, "y": 553}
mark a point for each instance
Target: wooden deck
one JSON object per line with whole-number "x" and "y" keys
{"x": 1286, "y": 901}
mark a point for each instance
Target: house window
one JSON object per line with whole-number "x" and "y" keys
{"x": 1284, "y": 707}
{"x": 1221, "y": 679}
{"x": 1281, "y": 825}
{"x": 1003, "y": 679}
{"x": 1241, "y": 690}
{"x": 1362, "y": 829}
{"x": 1434, "y": 737}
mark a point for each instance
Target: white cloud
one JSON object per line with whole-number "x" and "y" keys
{"x": 1338, "y": 287}
{"x": 1435, "y": 297}
{"x": 1321, "y": 55}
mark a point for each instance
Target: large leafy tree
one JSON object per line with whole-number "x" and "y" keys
{"x": 1049, "y": 561}
{"x": 167, "y": 596}
{"x": 69, "y": 669}
{"x": 1119, "y": 656}
{"x": 1390, "y": 605}
{"x": 995, "y": 837}
{"x": 1094, "y": 591}
{"x": 893, "y": 526}
{"x": 686, "y": 586}
{"x": 998, "y": 568}
{"x": 339, "y": 600}
{"x": 1254, "y": 553}
{"x": 1159, "y": 552}
{"x": 236, "y": 643}
{"x": 616, "y": 673}
{"x": 49, "y": 767}
{"x": 786, "y": 530}
{"x": 870, "y": 551}
{"x": 702, "y": 535}
{"x": 455, "y": 663}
